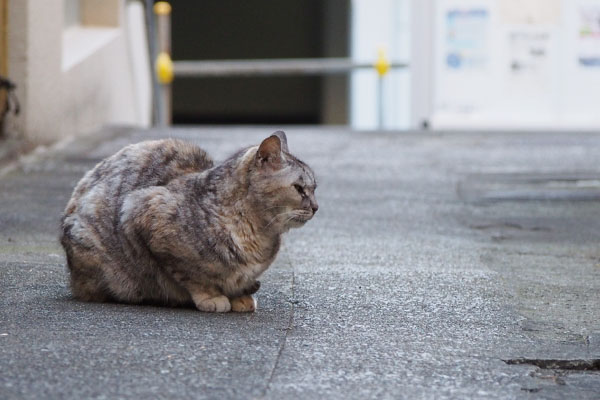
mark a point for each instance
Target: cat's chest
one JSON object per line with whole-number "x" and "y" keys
{"x": 258, "y": 251}
{"x": 253, "y": 270}
{"x": 255, "y": 249}
{"x": 242, "y": 278}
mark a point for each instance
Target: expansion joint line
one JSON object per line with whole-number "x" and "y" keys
{"x": 288, "y": 329}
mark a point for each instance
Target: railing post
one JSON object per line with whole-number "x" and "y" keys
{"x": 382, "y": 65}
{"x": 163, "y": 66}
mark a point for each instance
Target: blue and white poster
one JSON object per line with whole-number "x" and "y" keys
{"x": 466, "y": 38}
{"x": 589, "y": 36}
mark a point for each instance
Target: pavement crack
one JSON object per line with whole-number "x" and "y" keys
{"x": 571, "y": 365}
{"x": 288, "y": 329}
{"x": 509, "y": 225}
{"x": 531, "y": 390}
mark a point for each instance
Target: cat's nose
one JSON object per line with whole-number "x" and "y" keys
{"x": 314, "y": 207}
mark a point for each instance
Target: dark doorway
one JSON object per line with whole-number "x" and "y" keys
{"x": 260, "y": 29}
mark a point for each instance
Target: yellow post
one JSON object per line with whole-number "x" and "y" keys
{"x": 164, "y": 68}
{"x": 163, "y": 65}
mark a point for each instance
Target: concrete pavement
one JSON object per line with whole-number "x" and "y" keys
{"x": 440, "y": 265}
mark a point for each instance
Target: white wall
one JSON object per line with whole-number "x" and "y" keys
{"x": 71, "y": 78}
{"x": 551, "y": 90}
{"x": 375, "y": 24}
{"x": 421, "y": 66}
{"x": 555, "y": 92}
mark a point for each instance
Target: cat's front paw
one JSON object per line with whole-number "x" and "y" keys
{"x": 214, "y": 304}
{"x": 243, "y": 304}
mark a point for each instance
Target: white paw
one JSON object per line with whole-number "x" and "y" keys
{"x": 243, "y": 304}
{"x": 214, "y": 304}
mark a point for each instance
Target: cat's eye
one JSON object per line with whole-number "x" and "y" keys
{"x": 300, "y": 189}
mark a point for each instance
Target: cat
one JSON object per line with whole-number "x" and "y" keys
{"x": 159, "y": 223}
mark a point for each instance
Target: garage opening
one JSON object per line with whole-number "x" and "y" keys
{"x": 260, "y": 29}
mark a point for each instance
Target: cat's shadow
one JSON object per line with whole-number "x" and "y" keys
{"x": 272, "y": 301}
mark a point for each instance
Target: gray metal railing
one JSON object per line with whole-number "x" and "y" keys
{"x": 297, "y": 66}
{"x": 166, "y": 70}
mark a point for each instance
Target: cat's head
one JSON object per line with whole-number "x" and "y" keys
{"x": 283, "y": 187}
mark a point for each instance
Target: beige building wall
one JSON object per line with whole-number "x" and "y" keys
{"x": 78, "y": 65}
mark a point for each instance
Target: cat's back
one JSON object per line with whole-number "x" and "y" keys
{"x": 137, "y": 166}
{"x": 150, "y": 163}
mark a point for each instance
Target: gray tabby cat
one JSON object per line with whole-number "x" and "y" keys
{"x": 159, "y": 223}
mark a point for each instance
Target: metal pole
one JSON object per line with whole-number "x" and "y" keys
{"x": 151, "y": 31}
{"x": 3, "y": 55}
{"x": 163, "y": 64}
{"x": 294, "y": 66}
{"x": 380, "y": 102}
{"x": 382, "y": 66}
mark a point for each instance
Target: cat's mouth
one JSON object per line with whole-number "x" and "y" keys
{"x": 302, "y": 216}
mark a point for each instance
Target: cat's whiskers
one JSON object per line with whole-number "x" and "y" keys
{"x": 270, "y": 208}
{"x": 278, "y": 215}
{"x": 289, "y": 219}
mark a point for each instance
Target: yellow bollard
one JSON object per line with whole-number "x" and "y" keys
{"x": 162, "y": 8}
{"x": 382, "y": 65}
{"x": 164, "y": 68}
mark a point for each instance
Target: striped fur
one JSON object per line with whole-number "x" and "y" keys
{"x": 159, "y": 223}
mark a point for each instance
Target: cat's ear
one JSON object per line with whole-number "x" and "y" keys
{"x": 283, "y": 139}
{"x": 269, "y": 152}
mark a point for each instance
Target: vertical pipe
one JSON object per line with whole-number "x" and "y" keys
{"x": 163, "y": 64}
{"x": 380, "y": 111}
{"x": 3, "y": 54}
{"x": 151, "y": 32}
{"x": 382, "y": 66}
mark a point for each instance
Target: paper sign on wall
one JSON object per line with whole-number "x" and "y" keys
{"x": 466, "y": 38}
{"x": 530, "y": 12}
{"x": 589, "y": 36}
{"x": 529, "y": 52}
